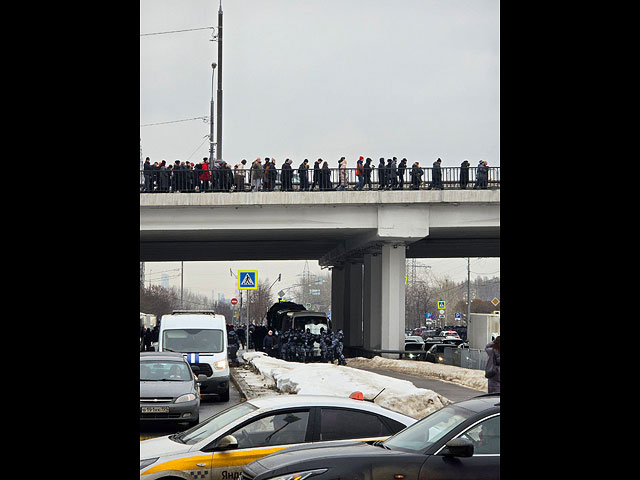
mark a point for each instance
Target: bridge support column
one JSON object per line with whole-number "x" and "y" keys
{"x": 392, "y": 298}
{"x": 346, "y": 302}
{"x": 353, "y": 326}
{"x": 372, "y": 292}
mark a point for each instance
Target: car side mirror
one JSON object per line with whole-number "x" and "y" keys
{"x": 459, "y": 447}
{"x": 202, "y": 378}
{"x": 227, "y": 443}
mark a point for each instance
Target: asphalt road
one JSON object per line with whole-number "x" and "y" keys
{"x": 453, "y": 392}
{"x": 210, "y": 405}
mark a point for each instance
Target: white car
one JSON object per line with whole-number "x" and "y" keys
{"x": 218, "y": 447}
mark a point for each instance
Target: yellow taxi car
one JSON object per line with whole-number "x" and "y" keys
{"x": 217, "y": 448}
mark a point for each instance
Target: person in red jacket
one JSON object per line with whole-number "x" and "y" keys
{"x": 360, "y": 174}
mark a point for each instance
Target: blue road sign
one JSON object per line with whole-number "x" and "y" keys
{"x": 457, "y": 315}
{"x": 428, "y": 315}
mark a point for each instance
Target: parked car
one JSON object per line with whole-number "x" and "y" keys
{"x": 461, "y": 440}
{"x": 435, "y": 354}
{"x": 169, "y": 389}
{"x": 415, "y": 345}
{"x": 222, "y": 444}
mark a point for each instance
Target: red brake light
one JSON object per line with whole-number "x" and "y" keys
{"x": 357, "y": 396}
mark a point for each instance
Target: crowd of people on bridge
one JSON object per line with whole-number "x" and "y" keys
{"x": 220, "y": 177}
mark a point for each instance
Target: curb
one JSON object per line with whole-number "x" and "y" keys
{"x": 241, "y": 385}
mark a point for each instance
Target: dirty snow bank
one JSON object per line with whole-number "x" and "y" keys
{"x": 465, "y": 377}
{"x": 329, "y": 379}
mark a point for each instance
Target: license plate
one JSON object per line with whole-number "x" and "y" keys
{"x": 155, "y": 409}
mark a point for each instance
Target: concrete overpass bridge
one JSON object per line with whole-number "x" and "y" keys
{"x": 364, "y": 237}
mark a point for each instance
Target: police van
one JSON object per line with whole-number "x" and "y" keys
{"x": 201, "y": 336}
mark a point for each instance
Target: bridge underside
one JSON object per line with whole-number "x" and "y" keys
{"x": 364, "y": 237}
{"x": 171, "y": 246}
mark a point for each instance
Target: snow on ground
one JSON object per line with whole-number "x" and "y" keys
{"x": 464, "y": 377}
{"x": 330, "y": 379}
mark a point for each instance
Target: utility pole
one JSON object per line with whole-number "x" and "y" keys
{"x": 219, "y": 111}
{"x": 468, "y": 290}
{"x": 181, "y": 285}
{"x": 213, "y": 67}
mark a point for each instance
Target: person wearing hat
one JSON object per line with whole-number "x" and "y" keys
{"x": 401, "y": 169}
{"x": 360, "y": 174}
{"x": 436, "y": 175}
{"x": 368, "y": 168}
{"x": 268, "y": 343}
{"x": 382, "y": 174}
{"x": 416, "y": 174}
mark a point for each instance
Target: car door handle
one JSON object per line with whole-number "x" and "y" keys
{"x": 201, "y": 464}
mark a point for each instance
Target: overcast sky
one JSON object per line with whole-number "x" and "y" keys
{"x": 322, "y": 79}
{"x": 325, "y": 78}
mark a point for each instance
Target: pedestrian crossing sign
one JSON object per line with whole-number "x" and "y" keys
{"x": 442, "y": 304}
{"x": 247, "y": 279}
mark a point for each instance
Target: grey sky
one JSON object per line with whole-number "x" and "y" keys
{"x": 325, "y": 78}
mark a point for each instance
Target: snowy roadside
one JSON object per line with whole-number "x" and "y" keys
{"x": 329, "y": 379}
{"x": 464, "y": 377}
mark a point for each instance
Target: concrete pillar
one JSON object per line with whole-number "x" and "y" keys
{"x": 372, "y": 313}
{"x": 338, "y": 279}
{"x": 353, "y": 308}
{"x": 392, "y": 297}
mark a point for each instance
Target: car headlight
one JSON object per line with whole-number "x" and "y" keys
{"x": 147, "y": 462}
{"x": 185, "y": 398}
{"x": 220, "y": 365}
{"x": 300, "y": 475}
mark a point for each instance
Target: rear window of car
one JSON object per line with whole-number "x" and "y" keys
{"x": 342, "y": 424}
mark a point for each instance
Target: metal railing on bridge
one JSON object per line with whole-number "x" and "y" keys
{"x": 164, "y": 180}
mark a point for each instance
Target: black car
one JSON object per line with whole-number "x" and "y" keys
{"x": 414, "y": 345}
{"x": 461, "y": 440}
{"x": 435, "y": 352}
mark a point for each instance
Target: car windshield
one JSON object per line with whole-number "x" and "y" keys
{"x": 193, "y": 340}
{"x": 212, "y": 424}
{"x": 429, "y": 430}
{"x": 165, "y": 370}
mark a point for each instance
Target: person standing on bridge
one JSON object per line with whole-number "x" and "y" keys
{"x": 436, "y": 178}
{"x": 401, "y": 169}
{"x": 316, "y": 173}
{"x": 342, "y": 174}
{"x": 256, "y": 175}
{"x": 303, "y": 174}
{"x": 147, "y": 175}
{"x": 368, "y": 168}
{"x": 464, "y": 174}
{"x": 360, "y": 174}
{"x": 416, "y": 174}
{"x": 286, "y": 183}
{"x": 325, "y": 178}
{"x": 382, "y": 177}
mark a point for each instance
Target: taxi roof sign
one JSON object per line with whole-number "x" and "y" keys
{"x": 247, "y": 279}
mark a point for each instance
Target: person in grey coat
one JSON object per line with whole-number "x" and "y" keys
{"x": 492, "y": 369}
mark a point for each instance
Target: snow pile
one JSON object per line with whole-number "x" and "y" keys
{"x": 464, "y": 377}
{"x": 329, "y": 379}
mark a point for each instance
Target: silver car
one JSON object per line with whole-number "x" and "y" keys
{"x": 168, "y": 389}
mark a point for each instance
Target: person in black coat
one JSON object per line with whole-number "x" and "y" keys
{"x": 303, "y": 174}
{"x": 436, "y": 176}
{"x": 268, "y": 344}
{"x": 401, "y": 169}
{"x": 416, "y": 174}
{"x": 464, "y": 174}
{"x": 392, "y": 175}
{"x": 382, "y": 174}
{"x": 316, "y": 173}
{"x": 325, "y": 177}
{"x": 286, "y": 184}
{"x": 367, "y": 172}
{"x": 147, "y": 175}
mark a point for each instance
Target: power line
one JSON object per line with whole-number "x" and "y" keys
{"x": 176, "y": 121}
{"x": 176, "y": 31}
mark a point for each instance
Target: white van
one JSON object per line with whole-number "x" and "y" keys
{"x": 201, "y": 336}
